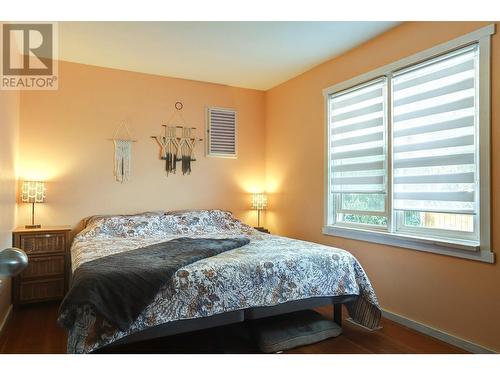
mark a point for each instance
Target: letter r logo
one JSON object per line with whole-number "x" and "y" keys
{"x": 27, "y": 49}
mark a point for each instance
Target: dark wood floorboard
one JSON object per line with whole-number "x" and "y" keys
{"x": 33, "y": 329}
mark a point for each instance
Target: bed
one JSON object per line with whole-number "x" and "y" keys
{"x": 270, "y": 275}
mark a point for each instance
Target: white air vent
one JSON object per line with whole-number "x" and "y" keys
{"x": 221, "y": 132}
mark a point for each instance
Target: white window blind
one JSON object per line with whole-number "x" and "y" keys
{"x": 358, "y": 140}
{"x": 221, "y": 132}
{"x": 358, "y": 159}
{"x": 434, "y": 135}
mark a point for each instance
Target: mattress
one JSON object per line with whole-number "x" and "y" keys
{"x": 270, "y": 270}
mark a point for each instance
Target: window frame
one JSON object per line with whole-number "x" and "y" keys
{"x": 463, "y": 248}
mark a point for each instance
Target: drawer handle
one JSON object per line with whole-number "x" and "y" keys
{"x": 35, "y": 260}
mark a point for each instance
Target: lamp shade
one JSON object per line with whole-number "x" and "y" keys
{"x": 259, "y": 201}
{"x": 33, "y": 192}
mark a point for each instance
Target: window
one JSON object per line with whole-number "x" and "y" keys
{"x": 408, "y": 152}
{"x": 221, "y": 132}
{"x": 358, "y": 154}
{"x": 435, "y": 167}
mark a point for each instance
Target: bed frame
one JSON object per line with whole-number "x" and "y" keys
{"x": 189, "y": 325}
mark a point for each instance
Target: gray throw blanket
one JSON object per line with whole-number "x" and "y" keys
{"x": 120, "y": 286}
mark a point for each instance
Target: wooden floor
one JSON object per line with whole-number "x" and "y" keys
{"x": 34, "y": 330}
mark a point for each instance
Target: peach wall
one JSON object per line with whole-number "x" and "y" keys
{"x": 9, "y": 128}
{"x": 454, "y": 295}
{"x": 64, "y": 140}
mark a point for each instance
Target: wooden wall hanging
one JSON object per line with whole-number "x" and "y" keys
{"x": 123, "y": 154}
{"x": 177, "y": 144}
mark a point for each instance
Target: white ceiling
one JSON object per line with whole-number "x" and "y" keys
{"x": 257, "y": 55}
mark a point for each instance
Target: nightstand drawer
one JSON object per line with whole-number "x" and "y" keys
{"x": 46, "y": 277}
{"x": 43, "y": 243}
{"x": 41, "y": 290}
{"x": 44, "y": 266}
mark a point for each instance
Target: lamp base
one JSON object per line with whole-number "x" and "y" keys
{"x": 262, "y": 229}
{"x": 32, "y": 226}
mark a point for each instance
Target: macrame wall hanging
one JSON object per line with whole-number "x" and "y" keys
{"x": 177, "y": 144}
{"x": 123, "y": 154}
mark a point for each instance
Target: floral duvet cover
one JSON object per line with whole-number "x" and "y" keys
{"x": 268, "y": 271}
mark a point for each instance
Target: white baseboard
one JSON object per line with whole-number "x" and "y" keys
{"x": 5, "y": 319}
{"x": 437, "y": 334}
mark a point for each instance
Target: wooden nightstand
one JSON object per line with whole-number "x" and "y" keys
{"x": 47, "y": 275}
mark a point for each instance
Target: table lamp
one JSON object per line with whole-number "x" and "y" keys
{"x": 259, "y": 203}
{"x": 33, "y": 192}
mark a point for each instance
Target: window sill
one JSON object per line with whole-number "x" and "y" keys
{"x": 460, "y": 249}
